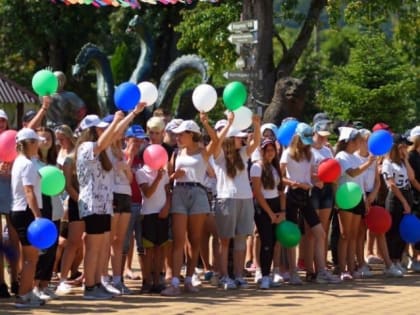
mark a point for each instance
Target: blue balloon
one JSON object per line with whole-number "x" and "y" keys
{"x": 286, "y": 132}
{"x": 126, "y": 96}
{"x": 380, "y": 142}
{"x": 42, "y": 233}
{"x": 410, "y": 228}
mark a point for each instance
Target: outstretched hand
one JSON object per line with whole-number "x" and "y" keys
{"x": 118, "y": 116}
{"x": 139, "y": 107}
{"x": 204, "y": 118}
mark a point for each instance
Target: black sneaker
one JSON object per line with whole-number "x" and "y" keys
{"x": 310, "y": 277}
{"x": 4, "y": 291}
{"x": 157, "y": 288}
{"x": 14, "y": 288}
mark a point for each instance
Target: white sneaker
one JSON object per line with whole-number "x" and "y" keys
{"x": 241, "y": 283}
{"x": 393, "y": 271}
{"x": 110, "y": 288}
{"x": 199, "y": 271}
{"x": 401, "y": 268}
{"x": 258, "y": 276}
{"x": 40, "y": 294}
{"x": 324, "y": 276}
{"x": 196, "y": 280}
{"x": 277, "y": 279}
{"x": 28, "y": 300}
{"x": 50, "y": 293}
{"x": 295, "y": 279}
{"x": 122, "y": 288}
{"x": 265, "y": 283}
{"x": 227, "y": 283}
{"x": 63, "y": 288}
{"x": 365, "y": 271}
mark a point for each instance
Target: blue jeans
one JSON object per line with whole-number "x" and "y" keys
{"x": 134, "y": 226}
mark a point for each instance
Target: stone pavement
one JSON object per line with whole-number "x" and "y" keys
{"x": 377, "y": 295}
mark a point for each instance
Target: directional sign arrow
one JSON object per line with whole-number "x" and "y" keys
{"x": 243, "y": 26}
{"x": 239, "y": 75}
{"x": 243, "y": 38}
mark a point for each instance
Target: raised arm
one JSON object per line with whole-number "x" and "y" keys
{"x": 37, "y": 120}
{"x": 209, "y": 150}
{"x": 221, "y": 136}
{"x": 123, "y": 124}
{"x": 108, "y": 136}
{"x": 256, "y": 136}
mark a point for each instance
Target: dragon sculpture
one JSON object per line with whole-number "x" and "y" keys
{"x": 170, "y": 82}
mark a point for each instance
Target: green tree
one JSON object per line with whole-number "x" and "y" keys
{"x": 377, "y": 84}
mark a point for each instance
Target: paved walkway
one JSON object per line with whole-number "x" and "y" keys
{"x": 377, "y": 295}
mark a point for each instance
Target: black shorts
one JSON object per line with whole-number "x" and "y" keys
{"x": 121, "y": 203}
{"x": 360, "y": 209}
{"x": 322, "y": 198}
{"x": 154, "y": 230}
{"x": 97, "y": 223}
{"x": 298, "y": 204}
{"x": 21, "y": 221}
{"x": 64, "y": 229}
{"x": 73, "y": 211}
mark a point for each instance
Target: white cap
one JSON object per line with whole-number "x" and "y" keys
{"x": 236, "y": 133}
{"x": 269, "y": 126}
{"x": 174, "y": 123}
{"x": 347, "y": 133}
{"x": 187, "y": 125}
{"x": 220, "y": 124}
{"x": 3, "y": 114}
{"x": 414, "y": 133}
{"x": 92, "y": 121}
{"x": 27, "y": 134}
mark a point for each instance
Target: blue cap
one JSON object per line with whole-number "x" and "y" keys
{"x": 136, "y": 131}
{"x": 305, "y": 133}
{"x": 108, "y": 119}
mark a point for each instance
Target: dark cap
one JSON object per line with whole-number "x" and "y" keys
{"x": 266, "y": 142}
{"x": 320, "y": 117}
{"x": 28, "y": 116}
{"x": 400, "y": 139}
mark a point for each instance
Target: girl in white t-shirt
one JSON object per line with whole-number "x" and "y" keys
{"x": 297, "y": 166}
{"x": 352, "y": 170}
{"x": 26, "y": 207}
{"x": 156, "y": 202}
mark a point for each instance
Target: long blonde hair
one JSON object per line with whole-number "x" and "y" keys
{"x": 298, "y": 151}
{"x": 233, "y": 159}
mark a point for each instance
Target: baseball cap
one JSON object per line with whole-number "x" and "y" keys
{"x": 365, "y": 132}
{"x": 29, "y": 115}
{"x": 156, "y": 123}
{"x": 3, "y": 114}
{"x": 414, "y": 133}
{"x": 236, "y": 133}
{"x": 108, "y": 118}
{"x": 27, "y": 134}
{"x": 400, "y": 139}
{"x": 320, "y": 116}
{"x": 266, "y": 142}
{"x": 380, "y": 126}
{"x": 173, "y": 124}
{"x": 269, "y": 126}
{"x": 135, "y": 131}
{"x": 322, "y": 128}
{"x": 305, "y": 133}
{"x": 92, "y": 121}
{"x": 220, "y": 124}
{"x": 347, "y": 133}
{"x": 187, "y": 125}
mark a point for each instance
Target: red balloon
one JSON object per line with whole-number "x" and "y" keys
{"x": 329, "y": 170}
{"x": 378, "y": 220}
{"x": 8, "y": 146}
{"x": 155, "y": 156}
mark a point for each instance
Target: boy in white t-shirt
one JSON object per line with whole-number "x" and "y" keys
{"x": 156, "y": 202}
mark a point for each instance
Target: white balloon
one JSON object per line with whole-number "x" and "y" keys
{"x": 242, "y": 119}
{"x": 204, "y": 98}
{"x": 149, "y": 92}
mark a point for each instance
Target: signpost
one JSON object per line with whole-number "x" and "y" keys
{"x": 243, "y": 26}
{"x": 242, "y": 75}
{"x": 243, "y": 38}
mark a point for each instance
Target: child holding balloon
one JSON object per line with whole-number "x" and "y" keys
{"x": 26, "y": 207}
{"x": 95, "y": 197}
{"x": 352, "y": 170}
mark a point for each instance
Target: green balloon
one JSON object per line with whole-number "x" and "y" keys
{"x": 348, "y": 195}
{"x": 44, "y": 83}
{"x": 288, "y": 234}
{"x": 234, "y": 95}
{"x": 52, "y": 180}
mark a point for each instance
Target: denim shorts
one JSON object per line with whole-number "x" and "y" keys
{"x": 5, "y": 195}
{"x": 190, "y": 200}
{"x": 322, "y": 198}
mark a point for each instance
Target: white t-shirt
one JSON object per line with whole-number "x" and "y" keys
{"x": 25, "y": 173}
{"x": 157, "y": 200}
{"x": 95, "y": 184}
{"x": 320, "y": 155}
{"x": 256, "y": 171}
{"x": 121, "y": 184}
{"x": 396, "y": 171}
{"x": 368, "y": 175}
{"x": 237, "y": 187}
{"x": 298, "y": 171}
{"x": 194, "y": 166}
{"x": 349, "y": 161}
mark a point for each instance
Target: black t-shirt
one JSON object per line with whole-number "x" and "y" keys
{"x": 414, "y": 160}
